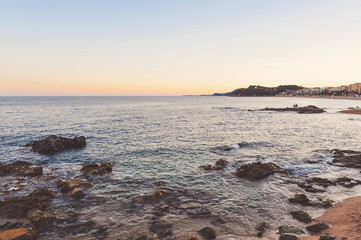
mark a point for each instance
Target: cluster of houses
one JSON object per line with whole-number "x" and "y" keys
{"x": 344, "y": 90}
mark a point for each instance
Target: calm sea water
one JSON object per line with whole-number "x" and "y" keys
{"x": 167, "y": 139}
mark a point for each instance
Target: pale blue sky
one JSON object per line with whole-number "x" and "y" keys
{"x": 175, "y": 47}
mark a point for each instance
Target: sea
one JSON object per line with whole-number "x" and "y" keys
{"x": 168, "y": 139}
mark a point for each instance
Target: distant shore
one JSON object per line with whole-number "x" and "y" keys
{"x": 327, "y": 97}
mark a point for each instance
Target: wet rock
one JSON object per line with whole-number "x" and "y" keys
{"x": 77, "y": 227}
{"x": 20, "y": 168}
{"x": 41, "y": 220}
{"x": 290, "y": 229}
{"x": 186, "y": 238}
{"x": 208, "y": 233}
{"x": 346, "y": 158}
{"x": 303, "y": 200}
{"x": 347, "y": 182}
{"x": 321, "y": 182}
{"x": 97, "y": 168}
{"x": 54, "y": 144}
{"x": 300, "y": 199}
{"x": 159, "y": 184}
{"x": 220, "y": 164}
{"x": 318, "y": 227}
{"x": 306, "y": 109}
{"x": 301, "y": 216}
{"x": 200, "y": 213}
{"x": 148, "y": 237}
{"x": 327, "y": 236}
{"x": 218, "y": 222}
{"x": 290, "y": 236}
{"x": 18, "y": 234}
{"x": 164, "y": 208}
{"x": 257, "y": 171}
{"x": 74, "y": 187}
{"x": 262, "y": 228}
{"x": 310, "y": 188}
{"x": 162, "y": 229}
{"x": 186, "y": 206}
{"x": 152, "y": 198}
{"x": 18, "y": 207}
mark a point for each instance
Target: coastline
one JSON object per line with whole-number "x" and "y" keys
{"x": 326, "y": 97}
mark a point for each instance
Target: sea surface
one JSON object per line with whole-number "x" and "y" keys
{"x": 168, "y": 139}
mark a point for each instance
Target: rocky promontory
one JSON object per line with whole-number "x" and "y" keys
{"x": 54, "y": 144}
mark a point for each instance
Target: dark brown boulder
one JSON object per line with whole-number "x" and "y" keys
{"x": 318, "y": 227}
{"x": 208, "y": 233}
{"x": 97, "y": 168}
{"x": 257, "y": 171}
{"x": 301, "y": 216}
{"x": 220, "y": 164}
{"x": 54, "y": 144}
{"x": 21, "y": 169}
{"x": 346, "y": 158}
{"x": 74, "y": 187}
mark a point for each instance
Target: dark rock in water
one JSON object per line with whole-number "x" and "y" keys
{"x": 186, "y": 238}
{"x": 54, "y": 144}
{"x": 208, "y": 233}
{"x": 347, "y": 182}
{"x": 302, "y": 199}
{"x": 310, "y": 188}
{"x": 6, "y": 224}
{"x": 162, "y": 229}
{"x": 159, "y": 184}
{"x": 18, "y": 234}
{"x": 220, "y": 164}
{"x": 307, "y": 109}
{"x": 290, "y": 229}
{"x": 290, "y": 236}
{"x": 301, "y": 216}
{"x": 74, "y": 188}
{"x": 218, "y": 222}
{"x": 200, "y": 213}
{"x": 20, "y": 168}
{"x": 346, "y": 158}
{"x": 262, "y": 228}
{"x": 327, "y": 236}
{"x": 321, "y": 182}
{"x": 19, "y": 207}
{"x": 257, "y": 171}
{"x": 153, "y": 198}
{"x": 41, "y": 220}
{"x": 97, "y": 168}
{"x": 148, "y": 237}
{"x": 318, "y": 227}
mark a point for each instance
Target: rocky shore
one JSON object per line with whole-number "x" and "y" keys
{"x": 28, "y": 216}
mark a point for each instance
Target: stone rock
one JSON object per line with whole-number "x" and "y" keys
{"x": 54, "y": 144}
{"x": 18, "y": 234}
{"x": 318, "y": 227}
{"x": 301, "y": 216}
{"x": 18, "y": 207}
{"x": 186, "y": 206}
{"x": 208, "y": 233}
{"x": 290, "y": 229}
{"x": 346, "y": 158}
{"x": 192, "y": 237}
{"x": 257, "y": 171}
{"x": 302, "y": 199}
{"x": 97, "y": 168}
{"x": 220, "y": 164}
{"x": 20, "y": 168}
{"x": 200, "y": 213}
{"x": 306, "y": 109}
{"x": 327, "y": 236}
{"x": 41, "y": 220}
{"x": 162, "y": 229}
{"x": 347, "y": 182}
{"x": 74, "y": 187}
{"x": 290, "y": 236}
{"x": 218, "y": 222}
{"x": 152, "y": 198}
{"x": 148, "y": 237}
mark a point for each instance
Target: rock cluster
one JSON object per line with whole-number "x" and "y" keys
{"x": 20, "y": 168}
{"x": 257, "y": 171}
{"x": 346, "y": 158}
{"x": 306, "y": 109}
{"x": 54, "y": 144}
{"x": 97, "y": 168}
{"x": 303, "y": 200}
{"x": 74, "y": 188}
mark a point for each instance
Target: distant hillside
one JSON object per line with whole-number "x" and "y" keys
{"x": 255, "y": 90}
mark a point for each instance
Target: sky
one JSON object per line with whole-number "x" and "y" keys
{"x": 178, "y": 47}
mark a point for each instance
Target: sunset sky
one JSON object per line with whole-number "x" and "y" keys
{"x": 176, "y": 47}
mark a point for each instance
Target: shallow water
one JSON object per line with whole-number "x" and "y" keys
{"x": 167, "y": 139}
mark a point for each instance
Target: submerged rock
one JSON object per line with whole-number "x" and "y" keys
{"x": 306, "y": 109}
{"x": 192, "y": 237}
{"x": 54, "y": 144}
{"x": 74, "y": 188}
{"x": 18, "y": 234}
{"x": 162, "y": 229}
{"x": 303, "y": 200}
{"x": 346, "y": 158}
{"x": 290, "y": 229}
{"x": 220, "y": 164}
{"x": 301, "y": 216}
{"x": 97, "y": 168}
{"x": 208, "y": 233}
{"x": 20, "y": 168}
{"x": 152, "y": 198}
{"x": 318, "y": 227}
{"x": 257, "y": 171}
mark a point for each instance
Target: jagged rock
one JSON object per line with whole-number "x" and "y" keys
{"x": 327, "y": 236}
{"x": 290, "y": 229}
{"x": 97, "y": 168}
{"x": 290, "y": 236}
{"x": 347, "y": 182}
{"x": 307, "y": 109}
{"x": 346, "y": 158}
{"x": 257, "y": 171}
{"x": 20, "y": 168}
{"x": 54, "y": 144}
{"x": 220, "y": 164}
{"x": 301, "y": 216}
{"x": 18, "y": 207}
{"x": 208, "y": 233}
{"x": 318, "y": 227}
{"x": 41, "y": 220}
{"x": 74, "y": 187}
{"x": 302, "y": 199}
{"x": 153, "y": 198}
{"x": 18, "y": 234}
